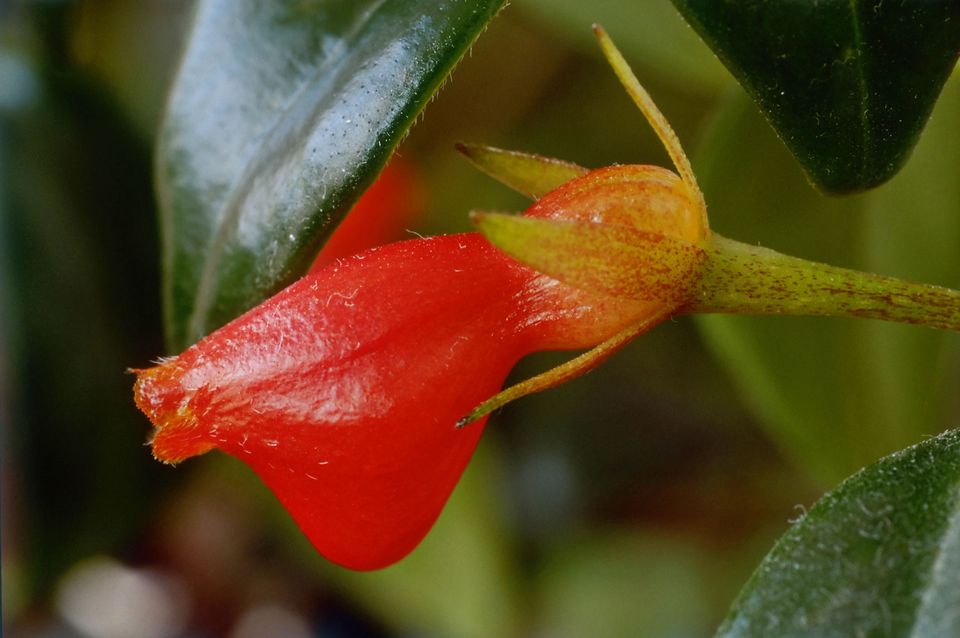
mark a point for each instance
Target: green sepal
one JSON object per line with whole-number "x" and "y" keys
{"x": 615, "y": 260}
{"x": 528, "y": 174}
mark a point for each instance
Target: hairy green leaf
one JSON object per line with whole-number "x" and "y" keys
{"x": 848, "y": 85}
{"x": 281, "y": 114}
{"x": 878, "y": 556}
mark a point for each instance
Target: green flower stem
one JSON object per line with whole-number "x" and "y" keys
{"x": 737, "y": 278}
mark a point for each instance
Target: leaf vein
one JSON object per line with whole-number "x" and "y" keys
{"x": 863, "y": 91}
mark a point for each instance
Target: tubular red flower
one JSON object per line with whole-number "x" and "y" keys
{"x": 342, "y": 391}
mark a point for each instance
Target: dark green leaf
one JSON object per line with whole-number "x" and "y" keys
{"x": 848, "y": 85}
{"x": 879, "y": 556}
{"x": 281, "y": 114}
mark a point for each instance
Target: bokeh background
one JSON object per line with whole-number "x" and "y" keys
{"x": 633, "y": 501}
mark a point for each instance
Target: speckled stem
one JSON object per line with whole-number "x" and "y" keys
{"x": 740, "y": 279}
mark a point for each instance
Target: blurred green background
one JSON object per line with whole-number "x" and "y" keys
{"x": 633, "y": 501}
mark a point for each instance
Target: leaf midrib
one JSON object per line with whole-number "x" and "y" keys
{"x": 861, "y": 84}
{"x": 229, "y": 212}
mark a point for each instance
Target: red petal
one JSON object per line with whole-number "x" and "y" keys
{"x": 342, "y": 391}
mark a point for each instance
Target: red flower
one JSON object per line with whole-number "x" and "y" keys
{"x": 343, "y": 391}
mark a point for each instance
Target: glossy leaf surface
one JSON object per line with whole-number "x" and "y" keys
{"x": 836, "y": 394}
{"x": 878, "y": 556}
{"x": 282, "y": 113}
{"x": 847, "y": 85}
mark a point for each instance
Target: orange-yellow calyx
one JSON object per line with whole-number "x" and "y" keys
{"x": 655, "y": 118}
{"x": 634, "y": 233}
{"x": 616, "y": 260}
{"x": 628, "y": 233}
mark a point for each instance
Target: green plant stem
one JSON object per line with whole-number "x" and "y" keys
{"x": 737, "y": 278}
